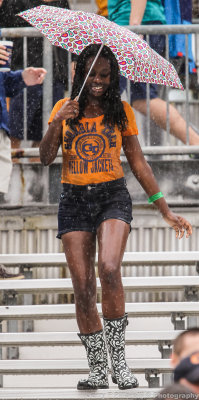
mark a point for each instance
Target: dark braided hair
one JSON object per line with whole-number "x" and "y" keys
{"x": 111, "y": 103}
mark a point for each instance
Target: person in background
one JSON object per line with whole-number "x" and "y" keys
{"x": 11, "y": 83}
{"x": 186, "y": 367}
{"x": 180, "y": 12}
{"x": 187, "y": 372}
{"x": 150, "y": 12}
{"x": 95, "y": 205}
{"x": 102, "y": 8}
{"x": 195, "y": 9}
{"x": 8, "y": 18}
{"x": 184, "y": 344}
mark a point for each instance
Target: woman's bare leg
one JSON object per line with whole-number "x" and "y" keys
{"x": 80, "y": 248}
{"x": 112, "y": 236}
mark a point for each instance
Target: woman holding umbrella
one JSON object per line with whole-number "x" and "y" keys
{"x": 95, "y": 205}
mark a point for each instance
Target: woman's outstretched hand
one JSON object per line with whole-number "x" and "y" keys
{"x": 179, "y": 224}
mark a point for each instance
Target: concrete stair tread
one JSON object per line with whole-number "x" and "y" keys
{"x": 143, "y": 258}
{"x": 132, "y": 284}
{"x": 56, "y": 311}
{"x": 71, "y": 338}
{"x": 73, "y": 394}
{"x": 54, "y": 366}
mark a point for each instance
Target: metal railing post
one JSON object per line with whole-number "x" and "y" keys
{"x": 69, "y": 73}
{"x": 1, "y": 356}
{"x": 12, "y": 326}
{"x": 148, "y": 107}
{"x": 25, "y": 61}
{"x": 48, "y": 82}
{"x": 187, "y": 87}
{"x": 167, "y": 94}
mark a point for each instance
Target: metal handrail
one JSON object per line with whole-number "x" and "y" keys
{"x": 164, "y": 29}
{"x": 139, "y": 29}
{"x": 147, "y": 150}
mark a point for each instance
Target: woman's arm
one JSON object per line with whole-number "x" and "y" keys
{"x": 50, "y": 143}
{"x": 143, "y": 173}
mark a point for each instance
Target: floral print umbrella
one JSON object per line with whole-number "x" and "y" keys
{"x": 74, "y": 30}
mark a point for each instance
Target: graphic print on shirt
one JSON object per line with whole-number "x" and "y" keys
{"x": 91, "y": 151}
{"x": 87, "y": 148}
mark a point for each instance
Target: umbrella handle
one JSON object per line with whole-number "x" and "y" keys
{"x": 93, "y": 63}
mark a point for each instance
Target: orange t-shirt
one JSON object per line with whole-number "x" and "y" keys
{"x": 91, "y": 153}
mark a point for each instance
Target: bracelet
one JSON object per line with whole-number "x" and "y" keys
{"x": 155, "y": 197}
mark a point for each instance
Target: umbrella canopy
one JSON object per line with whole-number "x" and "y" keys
{"x": 74, "y": 30}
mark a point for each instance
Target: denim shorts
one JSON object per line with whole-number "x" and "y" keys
{"x": 84, "y": 208}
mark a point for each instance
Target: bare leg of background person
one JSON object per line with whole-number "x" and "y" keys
{"x": 35, "y": 144}
{"x": 158, "y": 112}
{"x": 15, "y": 143}
{"x": 4, "y": 275}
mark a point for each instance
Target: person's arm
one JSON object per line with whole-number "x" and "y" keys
{"x": 137, "y": 11}
{"x": 143, "y": 173}
{"x": 52, "y": 140}
{"x": 15, "y": 81}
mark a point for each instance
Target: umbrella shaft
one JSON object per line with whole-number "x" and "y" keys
{"x": 93, "y": 63}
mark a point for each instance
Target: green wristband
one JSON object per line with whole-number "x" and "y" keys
{"x": 155, "y": 197}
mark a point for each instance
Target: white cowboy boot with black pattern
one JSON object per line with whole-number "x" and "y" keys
{"x": 115, "y": 338}
{"x": 96, "y": 351}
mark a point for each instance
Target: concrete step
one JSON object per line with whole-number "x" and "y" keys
{"x": 27, "y": 367}
{"x": 73, "y": 394}
{"x": 72, "y": 339}
{"x": 56, "y": 311}
{"x": 136, "y": 284}
{"x": 130, "y": 258}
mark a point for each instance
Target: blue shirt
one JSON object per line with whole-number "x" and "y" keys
{"x": 10, "y": 84}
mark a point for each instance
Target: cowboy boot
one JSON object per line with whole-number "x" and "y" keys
{"x": 115, "y": 338}
{"x": 96, "y": 351}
